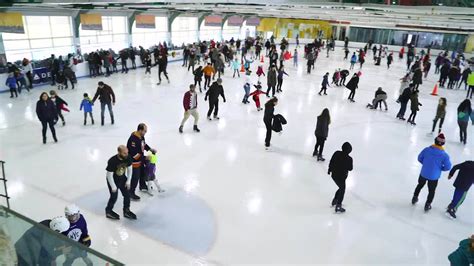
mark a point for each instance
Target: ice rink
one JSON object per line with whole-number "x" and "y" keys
{"x": 227, "y": 200}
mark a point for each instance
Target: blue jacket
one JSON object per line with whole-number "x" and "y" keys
{"x": 87, "y": 105}
{"x": 11, "y": 82}
{"x": 434, "y": 160}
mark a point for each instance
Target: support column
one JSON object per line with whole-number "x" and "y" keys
{"x": 76, "y": 23}
{"x": 130, "y": 20}
{"x": 224, "y": 19}
{"x": 171, "y": 17}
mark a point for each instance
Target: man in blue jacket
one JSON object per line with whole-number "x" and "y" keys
{"x": 434, "y": 160}
{"x": 463, "y": 182}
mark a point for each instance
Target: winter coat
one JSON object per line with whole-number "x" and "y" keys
{"x": 441, "y": 111}
{"x": 188, "y": 99}
{"x": 434, "y": 160}
{"x": 414, "y": 103}
{"x": 340, "y": 165}
{"x": 214, "y": 91}
{"x": 268, "y": 115}
{"x": 235, "y": 65}
{"x": 260, "y": 71}
{"x": 453, "y": 73}
{"x": 465, "y": 115}
{"x": 46, "y": 111}
{"x": 198, "y": 74}
{"x": 272, "y": 78}
{"x": 87, "y": 105}
{"x": 278, "y": 122}
{"x": 58, "y": 102}
{"x": 465, "y": 177}
{"x": 322, "y": 127}
{"x": 208, "y": 70}
{"x": 353, "y": 83}
{"x": 105, "y": 94}
{"x": 463, "y": 256}
{"x": 325, "y": 82}
{"x": 418, "y": 76}
{"x": 11, "y": 82}
{"x": 354, "y": 59}
{"x": 405, "y": 96}
{"x": 444, "y": 71}
{"x": 137, "y": 146}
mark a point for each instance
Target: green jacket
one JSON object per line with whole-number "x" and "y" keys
{"x": 470, "y": 79}
{"x": 463, "y": 256}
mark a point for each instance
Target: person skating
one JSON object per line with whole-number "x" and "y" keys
{"x": 295, "y": 58}
{"x": 440, "y": 114}
{"x": 310, "y": 57}
{"x": 280, "y": 74}
{"x": 190, "y": 103}
{"x": 464, "y": 254}
{"x": 162, "y": 63}
{"x": 12, "y": 84}
{"x": 352, "y": 85}
{"x": 403, "y": 100}
{"x": 119, "y": 172}
{"x": 256, "y": 95}
{"x": 236, "y": 67}
{"x": 59, "y": 103}
{"x": 321, "y": 133}
{"x": 464, "y": 114}
{"x": 414, "y": 106}
{"x": 443, "y": 74}
{"x": 464, "y": 76}
{"x": 78, "y": 232}
{"x": 87, "y": 104}
{"x": 339, "y": 167}
{"x": 434, "y": 160}
{"x": 208, "y": 72}
{"x": 271, "y": 80}
{"x": 379, "y": 98}
{"x": 247, "y": 85}
{"x": 107, "y": 98}
{"x": 346, "y": 53}
{"x": 147, "y": 63}
{"x": 336, "y": 76}
{"x": 137, "y": 146}
{"x": 353, "y": 61}
{"x": 198, "y": 77}
{"x": 150, "y": 174}
{"x": 389, "y": 60}
{"x": 324, "y": 84}
{"x": 47, "y": 115}
{"x": 344, "y": 74}
{"x": 123, "y": 60}
{"x": 268, "y": 119}
{"x": 470, "y": 85}
{"x": 213, "y": 93}
{"x": 260, "y": 72}
{"x": 463, "y": 182}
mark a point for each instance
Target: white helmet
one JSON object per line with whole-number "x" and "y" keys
{"x": 59, "y": 224}
{"x": 71, "y": 209}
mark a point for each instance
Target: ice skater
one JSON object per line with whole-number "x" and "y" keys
{"x": 213, "y": 94}
{"x": 271, "y": 80}
{"x": 59, "y": 103}
{"x": 281, "y": 72}
{"x": 150, "y": 174}
{"x": 463, "y": 182}
{"x": 353, "y": 61}
{"x": 47, "y": 114}
{"x": 236, "y": 67}
{"x": 198, "y": 77}
{"x": 379, "y": 98}
{"x": 107, "y": 98}
{"x": 295, "y": 58}
{"x": 87, "y": 104}
{"x": 440, "y": 114}
{"x": 414, "y": 106}
{"x": 464, "y": 114}
{"x": 256, "y": 95}
{"x": 339, "y": 167}
{"x": 268, "y": 119}
{"x": 78, "y": 232}
{"x": 324, "y": 84}
{"x": 434, "y": 160}
{"x": 321, "y": 133}
{"x": 352, "y": 85}
{"x": 12, "y": 84}
{"x": 190, "y": 104}
{"x": 403, "y": 100}
{"x": 247, "y": 85}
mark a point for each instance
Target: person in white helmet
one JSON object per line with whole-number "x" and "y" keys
{"x": 37, "y": 246}
{"x": 78, "y": 232}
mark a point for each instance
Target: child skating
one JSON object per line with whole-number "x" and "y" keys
{"x": 295, "y": 58}
{"x": 87, "y": 104}
{"x": 152, "y": 181}
{"x": 324, "y": 84}
{"x": 414, "y": 104}
{"x": 440, "y": 114}
{"x": 236, "y": 67}
{"x": 256, "y": 95}
{"x": 11, "y": 83}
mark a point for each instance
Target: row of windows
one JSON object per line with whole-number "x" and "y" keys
{"x": 45, "y": 35}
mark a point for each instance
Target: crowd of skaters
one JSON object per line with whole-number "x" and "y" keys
{"x": 128, "y": 167}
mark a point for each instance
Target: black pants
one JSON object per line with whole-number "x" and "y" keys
{"x": 213, "y": 106}
{"x": 470, "y": 90}
{"x": 319, "y": 144}
{"x": 134, "y": 65}
{"x": 451, "y": 83}
{"x": 120, "y": 183}
{"x": 197, "y": 82}
{"x": 352, "y": 95}
{"x": 124, "y": 66}
{"x": 107, "y": 70}
{"x": 54, "y": 75}
{"x": 412, "y": 116}
{"x": 138, "y": 177}
{"x": 463, "y": 131}
{"x": 29, "y": 75}
{"x": 207, "y": 81}
{"x": 323, "y": 89}
{"x": 45, "y": 125}
{"x": 85, "y": 117}
{"x": 342, "y": 82}
{"x": 13, "y": 92}
{"x": 60, "y": 114}
{"x": 66, "y": 81}
{"x": 164, "y": 72}
{"x": 279, "y": 84}
{"x": 102, "y": 111}
{"x": 432, "y": 184}
{"x": 268, "y": 136}
{"x": 435, "y": 121}
{"x": 191, "y": 66}
{"x": 442, "y": 80}
{"x": 309, "y": 68}
{"x": 148, "y": 69}
{"x": 341, "y": 184}
{"x": 272, "y": 88}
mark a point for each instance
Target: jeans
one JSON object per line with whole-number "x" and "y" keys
{"x": 213, "y": 106}
{"x": 341, "y": 184}
{"x": 45, "y": 125}
{"x": 435, "y": 121}
{"x": 463, "y": 131}
{"x": 102, "y": 111}
{"x": 403, "y": 108}
{"x": 432, "y": 184}
{"x": 137, "y": 177}
{"x": 85, "y": 117}
{"x": 268, "y": 136}
{"x": 458, "y": 198}
{"x": 319, "y": 144}
{"x": 120, "y": 183}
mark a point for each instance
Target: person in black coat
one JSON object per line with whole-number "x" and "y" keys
{"x": 213, "y": 93}
{"x": 417, "y": 77}
{"x": 403, "y": 99}
{"x": 47, "y": 115}
{"x": 162, "y": 63}
{"x": 344, "y": 74}
{"x": 321, "y": 133}
{"x": 268, "y": 119}
{"x": 352, "y": 85}
{"x": 463, "y": 182}
{"x": 443, "y": 74}
{"x": 339, "y": 167}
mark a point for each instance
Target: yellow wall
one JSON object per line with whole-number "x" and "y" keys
{"x": 306, "y": 28}
{"x": 470, "y": 44}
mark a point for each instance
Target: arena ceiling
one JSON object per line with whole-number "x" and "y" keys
{"x": 375, "y": 15}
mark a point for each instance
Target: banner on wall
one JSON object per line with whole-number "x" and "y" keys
{"x": 145, "y": 21}
{"x": 91, "y": 22}
{"x": 253, "y": 21}
{"x": 235, "y": 21}
{"x": 213, "y": 21}
{"x": 11, "y": 22}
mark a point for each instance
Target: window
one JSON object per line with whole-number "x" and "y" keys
{"x": 247, "y": 31}
{"x": 184, "y": 30}
{"x": 207, "y": 33}
{"x": 113, "y": 35}
{"x": 44, "y": 35}
{"x": 229, "y": 32}
{"x": 150, "y": 37}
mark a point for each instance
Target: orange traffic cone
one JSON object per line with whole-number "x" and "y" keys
{"x": 242, "y": 69}
{"x": 435, "y": 90}
{"x": 261, "y": 59}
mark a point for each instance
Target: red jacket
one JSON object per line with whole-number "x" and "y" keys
{"x": 260, "y": 71}
{"x": 187, "y": 100}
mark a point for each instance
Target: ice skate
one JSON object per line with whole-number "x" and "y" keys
{"x": 128, "y": 214}
{"x": 320, "y": 158}
{"x": 196, "y": 129}
{"x": 427, "y": 207}
{"x": 339, "y": 209}
{"x": 209, "y": 118}
{"x": 112, "y": 215}
{"x": 180, "y": 129}
{"x": 134, "y": 197}
{"x": 451, "y": 212}
{"x": 216, "y": 117}
{"x": 334, "y": 202}
{"x": 414, "y": 200}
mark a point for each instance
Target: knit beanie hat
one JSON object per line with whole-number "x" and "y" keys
{"x": 440, "y": 140}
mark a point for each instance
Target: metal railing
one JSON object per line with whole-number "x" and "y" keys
{"x": 4, "y": 179}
